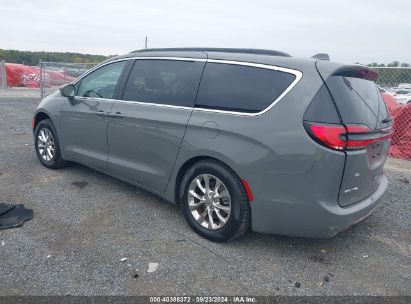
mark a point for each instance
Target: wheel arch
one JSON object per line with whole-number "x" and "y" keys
{"x": 188, "y": 164}
{"x": 39, "y": 116}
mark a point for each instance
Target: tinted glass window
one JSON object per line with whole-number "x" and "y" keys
{"x": 322, "y": 108}
{"x": 169, "y": 82}
{"x": 102, "y": 82}
{"x": 240, "y": 88}
{"x": 358, "y": 100}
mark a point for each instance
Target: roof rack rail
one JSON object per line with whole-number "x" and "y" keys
{"x": 223, "y": 50}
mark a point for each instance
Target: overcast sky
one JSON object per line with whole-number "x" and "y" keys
{"x": 350, "y": 31}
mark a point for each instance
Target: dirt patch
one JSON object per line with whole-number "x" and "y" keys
{"x": 79, "y": 184}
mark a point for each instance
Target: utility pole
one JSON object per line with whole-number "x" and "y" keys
{"x": 145, "y": 46}
{"x": 41, "y": 79}
{"x": 3, "y": 74}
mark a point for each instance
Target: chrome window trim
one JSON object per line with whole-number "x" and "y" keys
{"x": 133, "y": 58}
{"x": 150, "y": 104}
{"x": 94, "y": 98}
{"x": 298, "y": 75}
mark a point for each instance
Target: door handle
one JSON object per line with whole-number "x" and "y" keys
{"x": 115, "y": 115}
{"x": 101, "y": 113}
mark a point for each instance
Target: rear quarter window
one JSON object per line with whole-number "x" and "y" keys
{"x": 240, "y": 88}
{"x": 322, "y": 108}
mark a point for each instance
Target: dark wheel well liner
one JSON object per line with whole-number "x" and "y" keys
{"x": 39, "y": 117}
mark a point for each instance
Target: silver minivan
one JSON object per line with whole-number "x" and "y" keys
{"x": 239, "y": 138}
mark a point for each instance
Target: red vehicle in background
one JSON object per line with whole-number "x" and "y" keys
{"x": 20, "y": 75}
{"x": 390, "y": 102}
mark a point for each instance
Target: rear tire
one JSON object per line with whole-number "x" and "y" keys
{"x": 228, "y": 205}
{"x": 47, "y": 145}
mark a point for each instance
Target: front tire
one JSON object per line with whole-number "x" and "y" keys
{"x": 47, "y": 145}
{"x": 214, "y": 201}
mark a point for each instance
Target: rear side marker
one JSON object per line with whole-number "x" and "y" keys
{"x": 247, "y": 190}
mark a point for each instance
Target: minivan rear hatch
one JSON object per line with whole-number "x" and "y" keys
{"x": 367, "y": 128}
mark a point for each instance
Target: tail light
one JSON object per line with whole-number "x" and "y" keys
{"x": 332, "y": 136}
{"x": 359, "y": 136}
{"x": 349, "y": 137}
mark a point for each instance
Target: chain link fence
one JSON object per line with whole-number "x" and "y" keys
{"x": 401, "y": 139}
{"x": 393, "y": 76}
{"x": 395, "y": 87}
{"x": 396, "y": 82}
{"x": 56, "y": 74}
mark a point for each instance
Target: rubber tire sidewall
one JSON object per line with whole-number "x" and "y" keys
{"x": 58, "y": 161}
{"x": 240, "y": 208}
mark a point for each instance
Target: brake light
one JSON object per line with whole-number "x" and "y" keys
{"x": 349, "y": 137}
{"x": 357, "y": 71}
{"x": 333, "y": 136}
{"x": 357, "y": 129}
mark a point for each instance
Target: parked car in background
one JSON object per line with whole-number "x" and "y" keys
{"x": 403, "y": 96}
{"x": 388, "y": 91}
{"x": 405, "y": 86}
{"x": 238, "y": 138}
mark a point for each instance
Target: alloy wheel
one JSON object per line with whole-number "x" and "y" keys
{"x": 209, "y": 201}
{"x": 46, "y": 144}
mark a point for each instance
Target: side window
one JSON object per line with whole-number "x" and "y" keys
{"x": 101, "y": 82}
{"x": 169, "y": 82}
{"x": 240, "y": 88}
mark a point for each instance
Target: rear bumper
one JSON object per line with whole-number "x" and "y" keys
{"x": 312, "y": 219}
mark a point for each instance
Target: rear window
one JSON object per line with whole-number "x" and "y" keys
{"x": 240, "y": 88}
{"x": 358, "y": 100}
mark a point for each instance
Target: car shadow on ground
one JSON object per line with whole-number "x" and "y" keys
{"x": 266, "y": 242}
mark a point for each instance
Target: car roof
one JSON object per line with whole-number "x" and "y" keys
{"x": 219, "y": 50}
{"x": 259, "y": 56}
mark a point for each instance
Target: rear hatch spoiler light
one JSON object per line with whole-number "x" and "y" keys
{"x": 357, "y": 72}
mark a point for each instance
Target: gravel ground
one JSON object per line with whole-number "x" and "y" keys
{"x": 85, "y": 223}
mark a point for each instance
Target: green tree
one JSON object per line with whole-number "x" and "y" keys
{"x": 33, "y": 58}
{"x": 395, "y": 63}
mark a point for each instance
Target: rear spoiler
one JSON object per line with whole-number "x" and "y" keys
{"x": 357, "y": 72}
{"x": 329, "y": 68}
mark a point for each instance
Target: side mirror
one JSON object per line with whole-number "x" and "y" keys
{"x": 67, "y": 91}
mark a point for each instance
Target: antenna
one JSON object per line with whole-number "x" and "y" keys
{"x": 321, "y": 56}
